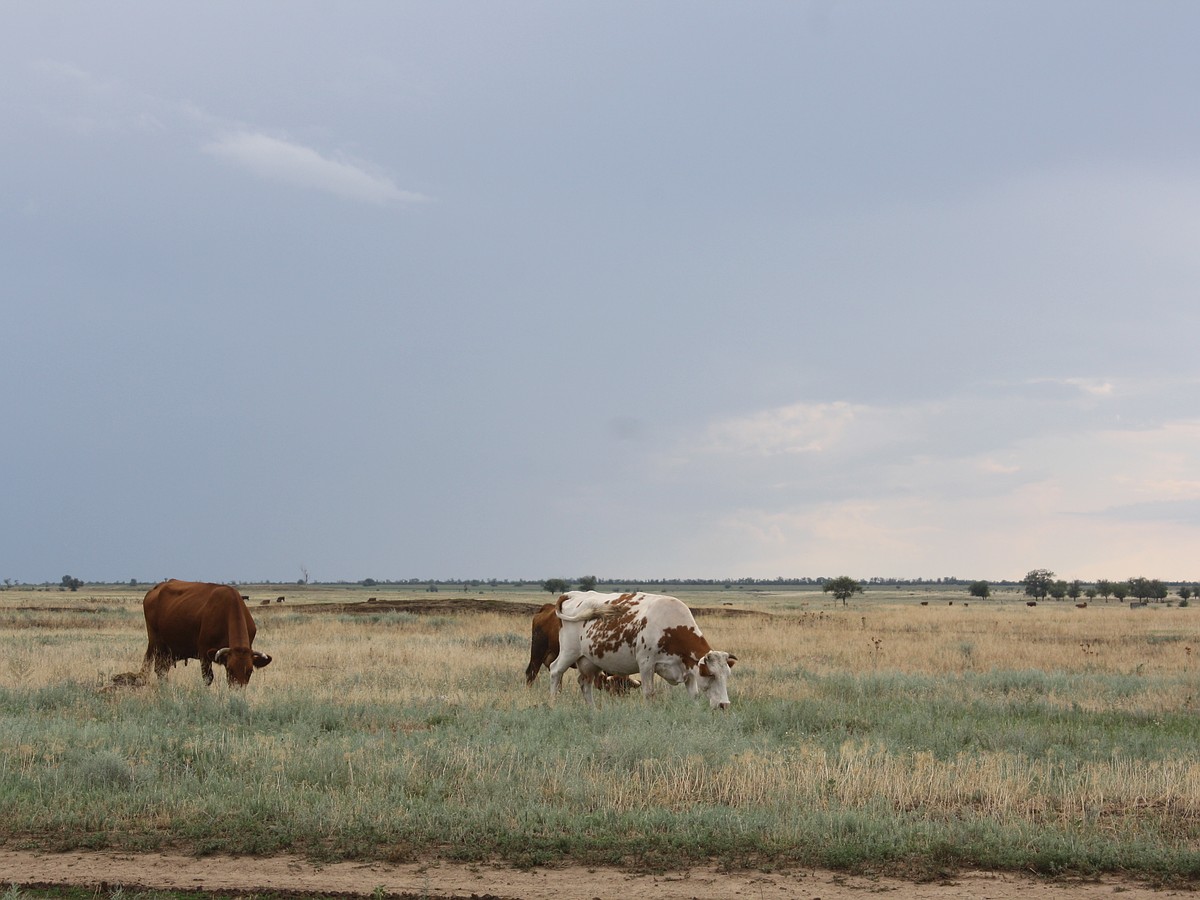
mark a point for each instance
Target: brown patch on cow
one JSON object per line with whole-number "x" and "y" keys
{"x": 619, "y": 629}
{"x": 685, "y": 642}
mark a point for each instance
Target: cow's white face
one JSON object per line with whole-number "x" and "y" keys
{"x": 712, "y": 678}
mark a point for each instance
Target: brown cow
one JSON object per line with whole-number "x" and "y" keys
{"x": 194, "y": 620}
{"x": 543, "y": 648}
{"x": 543, "y": 645}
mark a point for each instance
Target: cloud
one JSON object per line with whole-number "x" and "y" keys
{"x": 301, "y": 166}
{"x": 1094, "y": 387}
{"x": 828, "y": 429}
{"x": 797, "y": 428}
{"x": 988, "y": 482}
{"x": 88, "y": 105}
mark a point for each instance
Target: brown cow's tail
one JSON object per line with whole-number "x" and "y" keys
{"x": 592, "y": 611}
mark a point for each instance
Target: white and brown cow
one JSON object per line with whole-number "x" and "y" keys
{"x": 620, "y": 634}
{"x": 543, "y": 648}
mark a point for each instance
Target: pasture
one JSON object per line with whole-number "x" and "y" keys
{"x": 883, "y": 736}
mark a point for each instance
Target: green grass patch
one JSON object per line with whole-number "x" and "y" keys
{"x": 630, "y": 783}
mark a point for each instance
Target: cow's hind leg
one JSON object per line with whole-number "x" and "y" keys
{"x": 147, "y": 662}
{"x": 588, "y": 675}
{"x": 557, "y": 668}
{"x": 158, "y": 659}
{"x": 539, "y": 655}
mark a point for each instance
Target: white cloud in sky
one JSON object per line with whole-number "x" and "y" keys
{"x": 301, "y": 166}
{"x": 1098, "y": 387}
{"x": 913, "y": 488}
{"x": 797, "y": 428}
{"x": 817, "y": 429}
{"x": 91, "y": 105}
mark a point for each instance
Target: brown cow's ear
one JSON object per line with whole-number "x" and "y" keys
{"x": 211, "y": 654}
{"x": 705, "y": 670}
{"x": 732, "y": 660}
{"x": 261, "y": 659}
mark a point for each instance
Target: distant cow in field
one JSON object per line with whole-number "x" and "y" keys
{"x": 265, "y": 601}
{"x": 620, "y": 634}
{"x": 195, "y": 620}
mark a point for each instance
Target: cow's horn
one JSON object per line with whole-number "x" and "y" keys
{"x": 219, "y": 657}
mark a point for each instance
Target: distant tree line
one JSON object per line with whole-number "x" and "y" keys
{"x": 1037, "y": 584}
{"x": 1042, "y": 583}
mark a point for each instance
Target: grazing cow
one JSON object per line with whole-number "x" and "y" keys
{"x": 620, "y": 634}
{"x": 209, "y": 622}
{"x": 543, "y": 649}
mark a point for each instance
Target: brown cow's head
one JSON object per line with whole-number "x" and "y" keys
{"x": 240, "y": 663}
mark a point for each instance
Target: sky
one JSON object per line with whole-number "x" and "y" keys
{"x": 638, "y": 290}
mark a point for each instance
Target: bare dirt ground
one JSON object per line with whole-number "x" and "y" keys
{"x": 441, "y": 880}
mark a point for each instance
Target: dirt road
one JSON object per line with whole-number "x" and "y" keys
{"x": 440, "y": 880}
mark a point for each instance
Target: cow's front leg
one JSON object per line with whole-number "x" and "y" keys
{"x": 206, "y": 670}
{"x": 646, "y": 671}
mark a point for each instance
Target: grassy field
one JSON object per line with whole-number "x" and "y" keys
{"x": 886, "y": 735}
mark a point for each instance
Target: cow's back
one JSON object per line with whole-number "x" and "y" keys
{"x": 187, "y": 617}
{"x": 646, "y": 628}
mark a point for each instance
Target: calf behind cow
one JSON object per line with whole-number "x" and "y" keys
{"x": 195, "y": 620}
{"x": 620, "y": 634}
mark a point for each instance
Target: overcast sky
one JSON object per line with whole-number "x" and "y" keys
{"x": 632, "y": 289}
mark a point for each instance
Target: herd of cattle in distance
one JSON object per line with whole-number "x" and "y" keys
{"x": 609, "y": 638}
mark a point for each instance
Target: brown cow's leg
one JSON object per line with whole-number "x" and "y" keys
{"x": 160, "y": 660}
{"x": 147, "y": 662}
{"x": 539, "y": 655}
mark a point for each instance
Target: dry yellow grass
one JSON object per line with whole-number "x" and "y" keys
{"x": 51, "y": 636}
